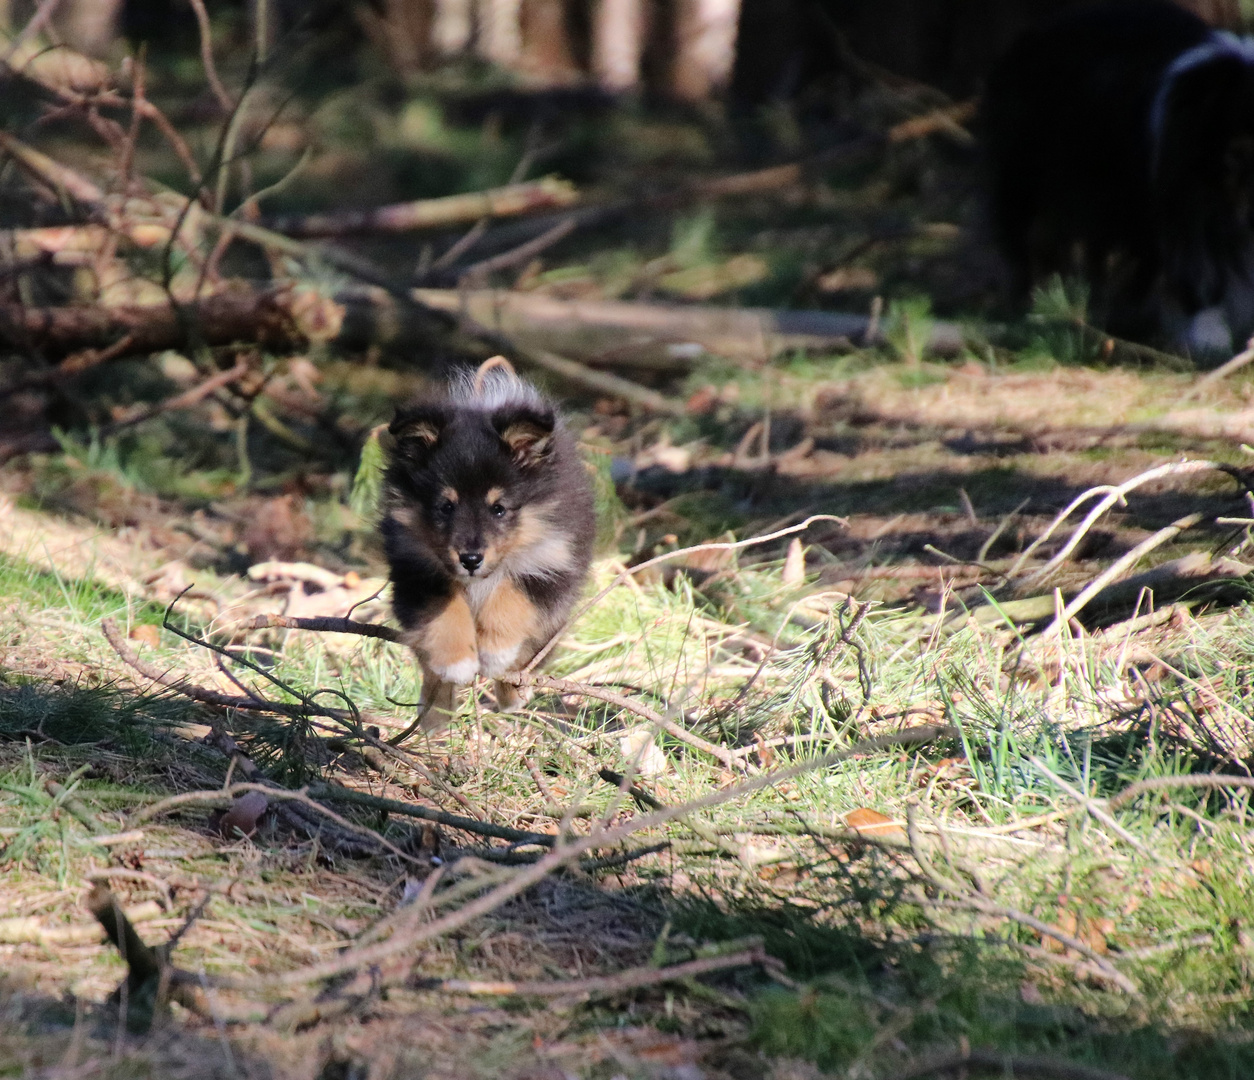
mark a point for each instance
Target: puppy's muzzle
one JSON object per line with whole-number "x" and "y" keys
{"x": 470, "y": 560}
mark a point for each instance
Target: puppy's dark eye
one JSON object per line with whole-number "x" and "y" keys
{"x": 444, "y": 507}
{"x": 497, "y": 510}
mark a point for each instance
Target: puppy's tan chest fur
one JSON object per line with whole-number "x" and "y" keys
{"x": 505, "y": 619}
{"x": 481, "y": 631}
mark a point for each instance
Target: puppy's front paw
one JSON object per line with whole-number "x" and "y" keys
{"x": 509, "y": 698}
{"x": 458, "y": 672}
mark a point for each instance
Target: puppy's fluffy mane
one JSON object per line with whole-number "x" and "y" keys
{"x": 492, "y": 390}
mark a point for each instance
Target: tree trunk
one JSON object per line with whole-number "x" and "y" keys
{"x": 453, "y": 26}
{"x": 402, "y": 33}
{"x": 499, "y": 37}
{"x": 705, "y": 48}
{"x": 618, "y": 29}
{"x": 547, "y": 54}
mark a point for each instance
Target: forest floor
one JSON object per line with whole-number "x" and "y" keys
{"x": 928, "y": 782}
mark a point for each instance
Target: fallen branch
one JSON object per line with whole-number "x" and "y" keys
{"x": 589, "y": 329}
{"x": 224, "y": 796}
{"x": 509, "y": 201}
{"x": 1124, "y": 563}
{"x": 426, "y": 813}
{"x": 276, "y": 318}
{"x": 520, "y": 679}
{"x": 29, "y": 929}
{"x": 325, "y": 625}
{"x": 1110, "y": 495}
{"x": 566, "y": 851}
{"x": 634, "y": 979}
{"x": 1170, "y": 783}
{"x": 204, "y": 694}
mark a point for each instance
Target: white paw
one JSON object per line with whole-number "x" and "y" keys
{"x": 461, "y": 673}
{"x": 497, "y": 663}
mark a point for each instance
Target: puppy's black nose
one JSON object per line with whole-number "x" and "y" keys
{"x": 471, "y": 560}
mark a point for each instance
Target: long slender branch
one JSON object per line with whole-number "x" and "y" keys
{"x": 632, "y": 979}
{"x": 565, "y": 852}
{"x": 271, "y": 791}
{"x": 1116, "y": 569}
{"x": 426, "y": 813}
{"x": 1169, "y": 783}
{"x": 542, "y": 682}
{"x": 1110, "y": 496}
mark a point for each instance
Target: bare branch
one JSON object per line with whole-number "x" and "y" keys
{"x": 1117, "y": 569}
{"x": 1170, "y": 783}
{"x": 632, "y": 979}
{"x": 206, "y": 56}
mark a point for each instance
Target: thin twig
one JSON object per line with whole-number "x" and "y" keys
{"x": 1110, "y": 495}
{"x": 632, "y": 979}
{"x": 36, "y": 23}
{"x": 971, "y": 902}
{"x": 1089, "y": 805}
{"x": 1222, "y": 372}
{"x": 964, "y": 898}
{"x": 523, "y": 252}
{"x": 1115, "y": 570}
{"x": 192, "y": 396}
{"x": 206, "y": 56}
{"x": 1170, "y": 783}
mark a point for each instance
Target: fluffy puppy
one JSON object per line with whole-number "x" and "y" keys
{"x": 488, "y": 527}
{"x": 1120, "y": 140}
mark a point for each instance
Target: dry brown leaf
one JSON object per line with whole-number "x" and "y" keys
{"x": 146, "y": 634}
{"x": 873, "y": 823}
{"x": 244, "y": 815}
{"x": 795, "y": 563}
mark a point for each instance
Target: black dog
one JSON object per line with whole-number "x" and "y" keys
{"x": 1120, "y": 142}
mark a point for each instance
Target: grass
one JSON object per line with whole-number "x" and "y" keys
{"x": 887, "y": 948}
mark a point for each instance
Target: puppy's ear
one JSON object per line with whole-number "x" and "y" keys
{"x": 414, "y": 432}
{"x": 527, "y": 432}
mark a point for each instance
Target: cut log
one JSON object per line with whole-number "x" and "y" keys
{"x": 612, "y": 333}
{"x": 509, "y": 201}
{"x": 275, "y": 318}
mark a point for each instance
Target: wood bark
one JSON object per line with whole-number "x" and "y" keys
{"x": 613, "y": 333}
{"x": 509, "y": 201}
{"x": 277, "y": 318}
{"x": 548, "y": 53}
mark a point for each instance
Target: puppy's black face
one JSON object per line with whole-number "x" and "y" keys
{"x": 462, "y": 480}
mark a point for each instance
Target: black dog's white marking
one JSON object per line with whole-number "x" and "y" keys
{"x": 1120, "y": 143}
